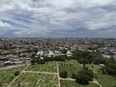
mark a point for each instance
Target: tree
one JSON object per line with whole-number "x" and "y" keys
{"x": 84, "y": 61}
{"x": 84, "y": 76}
{"x": 16, "y": 73}
{"x": 41, "y": 61}
{"x": 112, "y": 59}
{"x": 33, "y": 61}
{"x": 64, "y": 51}
{"x": 82, "y": 79}
{"x": 73, "y": 75}
{"x": 63, "y": 74}
{"x": 0, "y": 84}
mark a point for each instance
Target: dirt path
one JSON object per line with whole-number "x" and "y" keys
{"x": 39, "y": 72}
{"x": 8, "y": 67}
{"x": 96, "y": 82}
{"x": 67, "y": 79}
{"x": 58, "y": 75}
{"x": 17, "y": 76}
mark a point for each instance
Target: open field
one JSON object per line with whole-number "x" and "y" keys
{"x": 70, "y": 66}
{"x": 7, "y": 75}
{"x": 93, "y": 67}
{"x": 66, "y": 83}
{"x": 36, "y": 80}
{"x": 47, "y": 67}
{"x": 106, "y": 80}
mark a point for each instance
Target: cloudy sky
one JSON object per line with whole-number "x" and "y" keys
{"x": 57, "y": 18}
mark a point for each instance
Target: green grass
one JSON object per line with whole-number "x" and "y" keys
{"x": 73, "y": 68}
{"x": 66, "y": 83}
{"x": 106, "y": 80}
{"x": 47, "y": 67}
{"x": 7, "y": 75}
{"x": 94, "y": 68}
{"x": 36, "y": 80}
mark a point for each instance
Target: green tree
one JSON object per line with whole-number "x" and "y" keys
{"x": 112, "y": 59}
{"x": 16, "y": 73}
{"x": 64, "y": 51}
{"x": 84, "y": 61}
{"x": 33, "y": 61}
{"x": 63, "y": 74}
{"x": 84, "y": 76}
{"x": 41, "y": 61}
{"x": 0, "y": 84}
{"x": 73, "y": 75}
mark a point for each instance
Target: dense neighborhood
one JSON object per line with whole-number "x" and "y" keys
{"x": 73, "y": 59}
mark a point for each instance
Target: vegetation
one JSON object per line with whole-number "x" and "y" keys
{"x": 93, "y": 67}
{"x": 71, "y": 66}
{"x": 0, "y": 85}
{"x": 84, "y": 76}
{"x": 66, "y": 83}
{"x": 47, "y": 67}
{"x": 109, "y": 69}
{"x": 7, "y": 75}
{"x": 63, "y": 74}
{"x": 106, "y": 80}
{"x": 89, "y": 57}
{"x": 64, "y": 51}
{"x": 35, "y": 80}
{"x": 16, "y": 73}
{"x": 38, "y": 60}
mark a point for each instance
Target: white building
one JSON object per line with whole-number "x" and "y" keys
{"x": 69, "y": 53}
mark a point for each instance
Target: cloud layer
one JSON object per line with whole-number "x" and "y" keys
{"x": 58, "y": 18}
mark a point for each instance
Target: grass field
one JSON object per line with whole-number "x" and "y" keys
{"x": 6, "y": 76}
{"x": 106, "y": 80}
{"x": 65, "y": 83}
{"x": 47, "y": 67}
{"x": 93, "y": 67}
{"x": 36, "y": 80}
{"x": 70, "y": 66}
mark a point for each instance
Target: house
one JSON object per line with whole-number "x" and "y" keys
{"x": 50, "y": 54}
{"x": 69, "y": 53}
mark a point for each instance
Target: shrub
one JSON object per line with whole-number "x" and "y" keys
{"x": 17, "y": 73}
{"x": 73, "y": 75}
{"x": 84, "y": 76}
{"x": 95, "y": 76}
{"x": 0, "y": 84}
{"x": 63, "y": 74}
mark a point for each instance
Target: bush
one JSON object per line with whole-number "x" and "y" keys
{"x": 95, "y": 76}
{"x": 73, "y": 75}
{"x": 0, "y": 84}
{"x": 84, "y": 76}
{"x": 82, "y": 79}
{"x": 17, "y": 73}
{"x": 33, "y": 61}
{"x": 92, "y": 66}
{"x": 63, "y": 74}
{"x": 41, "y": 61}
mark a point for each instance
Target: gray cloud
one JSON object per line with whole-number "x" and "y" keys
{"x": 58, "y": 18}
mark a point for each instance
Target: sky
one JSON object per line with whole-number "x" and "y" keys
{"x": 58, "y": 18}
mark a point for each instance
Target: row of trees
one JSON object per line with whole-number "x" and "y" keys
{"x": 110, "y": 69}
{"x": 82, "y": 77}
{"x": 42, "y": 61}
{"x": 83, "y": 58}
